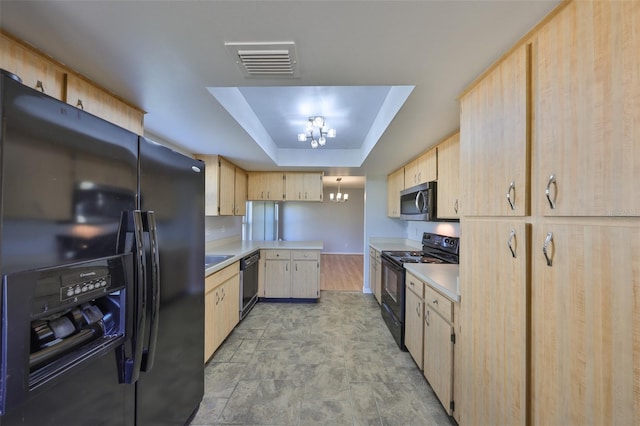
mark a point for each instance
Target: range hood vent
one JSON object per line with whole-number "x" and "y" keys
{"x": 265, "y": 59}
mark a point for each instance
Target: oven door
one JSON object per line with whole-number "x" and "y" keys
{"x": 393, "y": 288}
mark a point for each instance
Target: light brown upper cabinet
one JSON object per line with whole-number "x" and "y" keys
{"x": 395, "y": 184}
{"x": 422, "y": 169}
{"x": 449, "y": 178}
{"x": 43, "y": 73}
{"x": 91, "y": 98}
{"x": 587, "y": 117}
{"x": 494, "y": 140}
{"x": 266, "y": 186}
{"x": 303, "y": 186}
{"x": 225, "y": 188}
{"x": 240, "y": 193}
{"x": 35, "y": 71}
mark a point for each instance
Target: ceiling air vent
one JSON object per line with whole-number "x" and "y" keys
{"x": 265, "y": 59}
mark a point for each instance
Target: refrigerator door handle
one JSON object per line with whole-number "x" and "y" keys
{"x": 149, "y": 223}
{"x": 130, "y": 239}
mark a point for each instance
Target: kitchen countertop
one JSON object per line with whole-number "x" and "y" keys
{"x": 394, "y": 244}
{"x": 442, "y": 277}
{"x": 239, "y": 249}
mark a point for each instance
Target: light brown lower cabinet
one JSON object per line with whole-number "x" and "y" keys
{"x": 414, "y": 311}
{"x": 375, "y": 274}
{"x": 305, "y": 274}
{"x": 586, "y": 322}
{"x": 222, "y": 307}
{"x": 438, "y": 346}
{"x": 291, "y": 274}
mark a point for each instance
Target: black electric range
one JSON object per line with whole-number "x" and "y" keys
{"x": 436, "y": 249}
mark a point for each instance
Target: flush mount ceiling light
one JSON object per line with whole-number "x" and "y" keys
{"x": 339, "y": 197}
{"x": 317, "y": 131}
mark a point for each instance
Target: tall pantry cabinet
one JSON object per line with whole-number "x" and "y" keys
{"x": 577, "y": 244}
{"x": 491, "y": 352}
{"x": 585, "y": 295}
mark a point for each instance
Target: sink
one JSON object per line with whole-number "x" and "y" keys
{"x": 214, "y": 259}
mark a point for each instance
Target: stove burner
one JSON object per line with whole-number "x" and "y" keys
{"x": 418, "y": 259}
{"x": 430, "y": 260}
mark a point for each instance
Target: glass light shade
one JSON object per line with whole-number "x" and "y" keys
{"x": 322, "y": 141}
{"x": 331, "y": 133}
{"x": 302, "y": 137}
{"x": 331, "y": 196}
{"x": 309, "y": 126}
{"x": 314, "y": 143}
{"x": 318, "y": 122}
{"x": 339, "y": 196}
{"x": 346, "y": 197}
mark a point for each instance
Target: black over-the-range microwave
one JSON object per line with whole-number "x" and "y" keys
{"x": 418, "y": 202}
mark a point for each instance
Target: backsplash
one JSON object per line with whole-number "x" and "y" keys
{"x": 415, "y": 229}
{"x": 222, "y": 227}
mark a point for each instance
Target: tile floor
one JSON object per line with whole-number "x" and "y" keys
{"x": 332, "y": 363}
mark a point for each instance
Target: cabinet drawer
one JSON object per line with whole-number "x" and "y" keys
{"x": 306, "y": 255}
{"x": 438, "y": 303}
{"x": 214, "y": 280}
{"x": 374, "y": 253}
{"x": 415, "y": 285}
{"x": 278, "y": 254}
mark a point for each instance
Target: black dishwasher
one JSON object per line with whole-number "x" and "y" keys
{"x": 248, "y": 282}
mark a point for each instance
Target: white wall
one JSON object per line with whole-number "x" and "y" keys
{"x": 339, "y": 225}
{"x": 376, "y": 222}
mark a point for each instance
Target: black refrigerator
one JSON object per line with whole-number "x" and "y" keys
{"x": 102, "y": 266}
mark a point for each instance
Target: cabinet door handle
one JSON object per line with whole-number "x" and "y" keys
{"x": 426, "y": 317}
{"x": 512, "y": 238}
{"x": 268, "y": 195}
{"x": 512, "y": 187}
{"x": 455, "y": 206}
{"x": 548, "y": 241}
{"x": 80, "y": 105}
{"x": 40, "y": 86}
{"x": 296, "y": 267}
{"x": 435, "y": 301}
{"x": 262, "y": 195}
{"x": 286, "y": 267}
{"x": 418, "y": 310}
{"x": 547, "y": 191}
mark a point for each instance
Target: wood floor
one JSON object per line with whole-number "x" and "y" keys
{"x": 341, "y": 272}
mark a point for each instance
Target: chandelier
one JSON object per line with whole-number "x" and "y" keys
{"x": 339, "y": 197}
{"x": 317, "y": 131}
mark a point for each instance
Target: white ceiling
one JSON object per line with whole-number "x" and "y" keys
{"x": 169, "y": 57}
